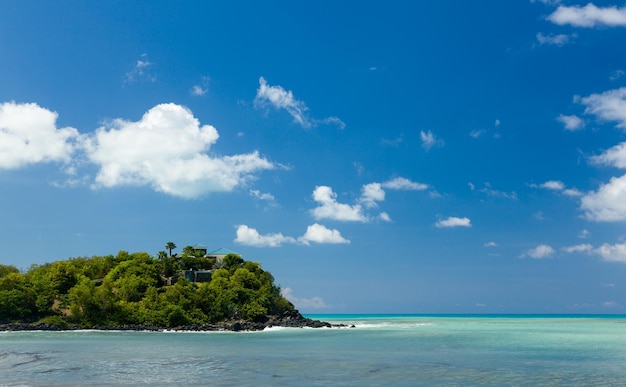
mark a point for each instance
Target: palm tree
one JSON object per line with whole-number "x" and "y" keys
{"x": 170, "y": 246}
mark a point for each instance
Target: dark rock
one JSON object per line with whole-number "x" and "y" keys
{"x": 289, "y": 319}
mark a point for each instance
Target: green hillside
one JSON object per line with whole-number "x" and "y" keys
{"x": 138, "y": 289}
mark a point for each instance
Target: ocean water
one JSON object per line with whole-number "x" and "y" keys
{"x": 380, "y": 350}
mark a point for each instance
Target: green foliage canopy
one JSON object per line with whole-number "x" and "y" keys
{"x": 132, "y": 289}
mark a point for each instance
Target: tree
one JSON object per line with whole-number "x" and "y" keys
{"x": 6, "y": 269}
{"x": 232, "y": 262}
{"x": 170, "y": 246}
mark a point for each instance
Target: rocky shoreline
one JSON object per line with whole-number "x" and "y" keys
{"x": 290, "y": 319}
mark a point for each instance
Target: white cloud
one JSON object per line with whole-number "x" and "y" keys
{"x": 491, "y": 244}
{"x": 166, "y": 150}
{"x": 315, "y": 233}
{"x": 608, "y": 106}
{"x": 572, "y": 192}
{"x": 589, "y": 16}
{"x": 554, "y": 40}
{"x": 454, "y": 222}
{"x": 539, "y": 252}
{"x": 608, "y": 203}
{"x": 280, "y": 98}
{"x": 372, "y": 193}
{"x": 318, "y": 233}
{"x": 329, "y": 208}
{"x": 384, "y": 217}
{"x": 142, "y": 70}
{"x": 201, "y": 89}
{"x": 401, "y": 183}
{"x": 429, "y": 140}
{"x": 303, "y": 303}
{"x": 557, "y": 185}
{"x": 581, "y": 248}
{"x": 571, "y": 123}
{"x": 28, "y": 135}
{"x": 197, "y": 90}
{"x": 615, "y": 156}
{"x": 251, "y": 237}
{"x": 584, "y": 234}
{"x": 496, "y": 123}
{"x": 612, "y": 253}
{"x": 554, "y": 185}
{"x": 262, "y": 196}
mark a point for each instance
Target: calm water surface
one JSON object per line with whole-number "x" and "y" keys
{"x": 381, "y": 350}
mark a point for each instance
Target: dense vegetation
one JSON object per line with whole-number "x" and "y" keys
{"x": 130, "y": 289}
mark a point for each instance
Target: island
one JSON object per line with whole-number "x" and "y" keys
{"x": 195, "y": 291}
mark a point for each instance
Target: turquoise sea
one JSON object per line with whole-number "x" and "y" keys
{"x": 381, "y": 350}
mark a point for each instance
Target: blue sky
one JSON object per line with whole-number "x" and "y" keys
{"x": 409, "y": 157}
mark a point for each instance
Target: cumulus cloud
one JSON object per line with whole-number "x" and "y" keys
{"x": 303, "y": 303}
{"x": 612, "y": 253}
{"x": 251, "y": 237}
{"x": 262, "y": 196}
{"x": 607, "y": 252}
{"x": 429, "y": 140}
{"x": 589, "y": 16}
{"x": 280, "y": 98}
{"x": 554, "y": 40}
{"x": 268, "y": 198}
{"x": 571, "y": 123}
{"x": 559, "y": 186}
{"x": 453, "y": 222}
{"x": 615, "y": 156}
{"x": 315, "y": 233}
{"x": 29, "y": 135}
{"x": 581, "y": 248}
{"x": 166, "y": 149}
{"x": 371, "y": 193}
{"x": 329, "y": 208}
{"x": 197, "y": 90}
{"x": 554, "y": 185}
{"x": 402, "y": 183}
{"x": 200, "y": 89}
{"x": 539, "y": 252}
{"x": 608, "y": 203}
{"x": 318, "y": 233}
{"x": 384, "y": 217}
{"x": 608, "y": 106}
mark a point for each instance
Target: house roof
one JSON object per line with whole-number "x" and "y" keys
{"x": 221, "y": 251}
{"x": 198, "y": 247}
